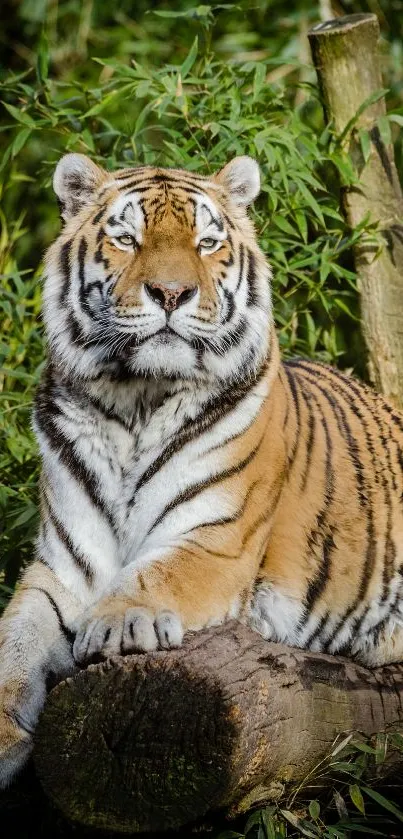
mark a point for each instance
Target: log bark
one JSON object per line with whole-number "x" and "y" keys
{"x": 345, "y": 55}
{"x": 151, "y": 742}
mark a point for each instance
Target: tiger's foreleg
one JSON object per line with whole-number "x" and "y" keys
{"x": 35, "y": 644}
{"x": 176, "y": 590}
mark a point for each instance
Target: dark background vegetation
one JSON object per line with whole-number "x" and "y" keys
{"x": 186, "y": 85}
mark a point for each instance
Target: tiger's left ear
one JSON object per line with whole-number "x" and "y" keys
{"x": 75, "y": 182}
{"x": 241, "y": 179}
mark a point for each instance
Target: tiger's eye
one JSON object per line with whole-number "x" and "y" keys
{"x": 126, "y": 239}
{"x": 207, "y": 243}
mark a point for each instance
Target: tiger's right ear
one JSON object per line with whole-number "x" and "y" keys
{"x": 75, "y": 182}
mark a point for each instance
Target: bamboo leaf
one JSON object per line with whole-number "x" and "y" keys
{"x": 19, "y": 115}
{"x": 384, "y": 802}
{"x": 190, "y": 59}
{"x": 365, "y": 143}
{"x": 356, "y": 797}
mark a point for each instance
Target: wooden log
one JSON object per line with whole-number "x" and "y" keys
{"x": 345, "y": 54}
{"x": 152, "y": 742}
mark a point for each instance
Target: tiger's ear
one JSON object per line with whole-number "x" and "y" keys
{"x": 241, "y": 179}
{"x": 75, "y": 182}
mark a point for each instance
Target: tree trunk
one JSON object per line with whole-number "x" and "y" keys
{"x": 345, "y": 54}
{"x": 152, "y": 742}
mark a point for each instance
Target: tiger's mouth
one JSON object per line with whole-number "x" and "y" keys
{"x": 166, "y": 335}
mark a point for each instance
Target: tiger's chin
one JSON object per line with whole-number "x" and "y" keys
{"x": 163, "y": 355}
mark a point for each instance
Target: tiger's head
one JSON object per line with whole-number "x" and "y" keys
{"x": 157, "y": 273}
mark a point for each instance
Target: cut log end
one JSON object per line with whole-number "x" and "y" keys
{"x": 148, "y": 743}
{"x": 136, "y": 743}
{"x": 344, "y": 24}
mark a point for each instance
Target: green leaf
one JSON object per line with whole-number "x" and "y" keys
{"x": 365, "y": 143}
{"x": 19, "y": 141}
{"x": 190, "y": 59}
{"x": 356, "y": 797}
{"x": 311, "y": 201}
{"x": 311, "y": 832}
{"x": 254, "y": 819}
{"x": 354, "y": 827}
{"x": 28, "y": 514}
{"x": 283, "y": 225}
{"x": 384, "y": 802}
{"x": 384, "y": 130}
{"x": 42, "y": 61}
{"x": 370, "y": 100}
{"x": 115, "y": 94}
{"x": 314, "y": 809}
{"x": 397, "y": 118}
{"x": 259, "y": 80}
{"x": 19, "y": 116}
{"x": 198, "y": 12}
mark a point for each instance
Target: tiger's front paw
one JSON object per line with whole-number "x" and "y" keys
{"x": 138, "y": 630}
{"x": 20, "y": 706}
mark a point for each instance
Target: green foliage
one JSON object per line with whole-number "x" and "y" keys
{"x": 350, "y": 800}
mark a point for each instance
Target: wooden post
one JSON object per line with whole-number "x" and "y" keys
{"x": 152, "y": 742}
{"x": 345, "y": 54}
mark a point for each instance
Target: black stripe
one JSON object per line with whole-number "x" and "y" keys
{"x": 318, "y": 584}
{"x": 211, "y": 413}
{"x": 355, "y": 396}
{"x": 191, "y": 492}
{"x": 129, "y": 189}
{"x": 109, "y": 413}
{"x": 130, "y": 172}
{"x": 229, "y": 297}
{"x": 79, "y": 559}
{"x": 252, "y": 298}
{"x": 100, "y": 214}
{"x": 345, "y": 431}
{"x": 82, "y": 293}
{"x": 176, "y": 177}
{"x": 343, "y": 427}
{"x": 294, "y": 393}
{"x": 323, "y": 532}
{"x": 311, "y": 438}
{"x": 46, "y": 414}
{"x": 228, "y": 221}
{"x": 317, "y": 631}
{"x": 229, "y": 520}
{"x": 76, "y": 331}
{"x": 241, "y": 266}
{"x": 64, "y": 629}
{"x": 209, "y": 551}
{"x": 224, "y": 344}
{"x": 287, "y": 401}
{"x": 64, "y": 261}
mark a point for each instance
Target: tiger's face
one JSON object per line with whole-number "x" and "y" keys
{"x": 157, "y": 273}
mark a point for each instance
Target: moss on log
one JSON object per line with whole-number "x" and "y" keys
{"x": 152, "y": 742}
{"x": 345, "y": 54}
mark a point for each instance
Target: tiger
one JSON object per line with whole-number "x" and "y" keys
{"x": 190, "y": 475}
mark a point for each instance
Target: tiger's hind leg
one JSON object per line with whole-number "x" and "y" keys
{"x": 35, "y": 643}
{"x": 382, "y": 646}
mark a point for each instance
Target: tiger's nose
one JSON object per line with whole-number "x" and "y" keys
{"x": 170, "y": 295}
